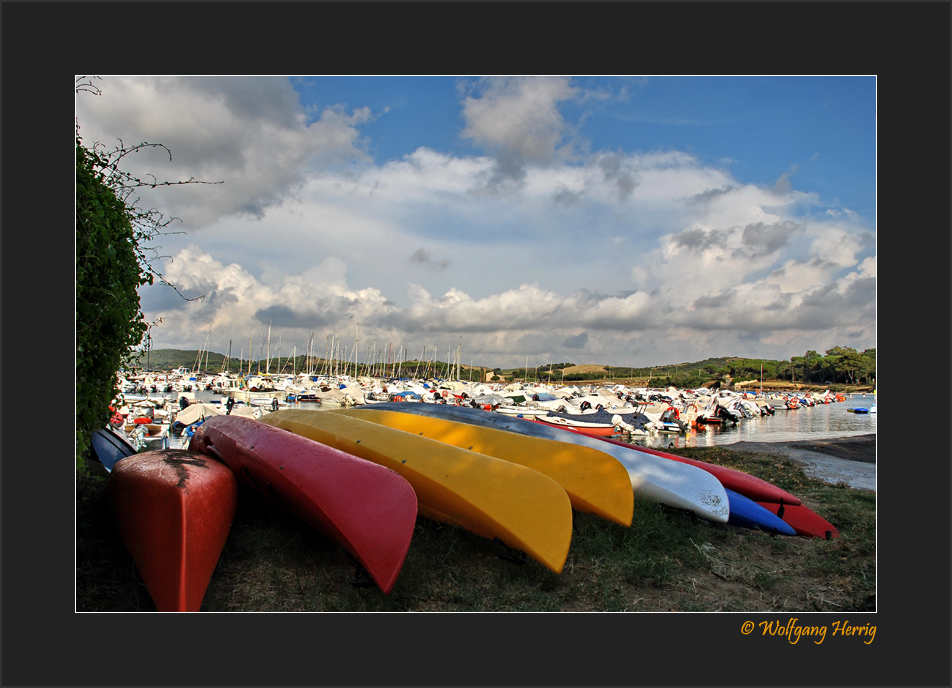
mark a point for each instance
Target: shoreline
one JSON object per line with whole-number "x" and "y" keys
{"x": 861, "y": 448}
{"x": 851, "y": 460}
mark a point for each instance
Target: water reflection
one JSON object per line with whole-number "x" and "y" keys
{"x": 823, "y": 421}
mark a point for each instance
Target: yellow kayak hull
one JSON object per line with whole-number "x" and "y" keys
{"x": 595, "y": 482}
{"x": 523, "y": 508}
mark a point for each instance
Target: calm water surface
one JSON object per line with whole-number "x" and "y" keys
{"x": 824, "y": 421}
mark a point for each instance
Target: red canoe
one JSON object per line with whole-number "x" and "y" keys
{"x": 805, "y": 521}
{"x": 742, "y": 483}
{"x": 366, "y": 508}
{"x": 174, "y": 509}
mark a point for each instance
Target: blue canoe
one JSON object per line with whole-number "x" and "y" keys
{"x": 747, "y": 513}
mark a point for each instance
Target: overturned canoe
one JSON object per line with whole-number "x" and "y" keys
{"x": 653, "y": 478}
{"x": 524, "y": 509}
{"x": 745, "y": 484}
{"x": 174, "y": 509}
{"x": 595, "y": 482}
{"x": 746, "y": 513}
{"x": 805, "y": 521}
{"x": 367, "y": 509}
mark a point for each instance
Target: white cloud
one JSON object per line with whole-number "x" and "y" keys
{"x": 638, "y": 258}
{"x": 518, "y": 121}
{"x": 519, "y": 114}
{"x": 249, "y": 133}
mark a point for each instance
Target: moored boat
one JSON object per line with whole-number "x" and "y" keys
{"x": 597, "y": 429}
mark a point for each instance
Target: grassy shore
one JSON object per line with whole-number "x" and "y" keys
{"x": 666, "y": 561}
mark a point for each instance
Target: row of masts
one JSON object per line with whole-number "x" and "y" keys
{"x": 338, "y": 360}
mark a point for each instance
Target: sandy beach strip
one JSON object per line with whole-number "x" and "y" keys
{"x": 843, "y": 459}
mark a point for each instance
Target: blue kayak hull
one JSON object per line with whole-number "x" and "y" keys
{"x": 746, "y": 513}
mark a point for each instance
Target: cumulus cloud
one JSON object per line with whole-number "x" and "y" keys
{"x": 251, "y": 133}
{"x": 627, "y": 258}
{"x": 517, "y": 120}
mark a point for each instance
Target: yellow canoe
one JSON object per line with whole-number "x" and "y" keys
{"x": 523, "y": 508}
{"x": 595, "y": 482}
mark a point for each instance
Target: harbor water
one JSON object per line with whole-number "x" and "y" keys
{"x": 807, "y": 423}
{"x": 822, "y": 421}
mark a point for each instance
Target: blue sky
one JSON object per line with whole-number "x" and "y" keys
{"x": 759, "y": 127}
{"x": 620, "y": 220}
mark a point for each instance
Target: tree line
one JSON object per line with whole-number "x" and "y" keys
{"x": 840, "y": 365}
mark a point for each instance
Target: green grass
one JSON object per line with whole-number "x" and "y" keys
{"x": 667, "y": 560}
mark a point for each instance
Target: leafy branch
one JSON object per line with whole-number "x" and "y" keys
{"x": 114, "y": 257}
{"x": 147, "y": 224}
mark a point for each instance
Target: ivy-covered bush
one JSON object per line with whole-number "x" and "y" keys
{"x": 109, "y": 322}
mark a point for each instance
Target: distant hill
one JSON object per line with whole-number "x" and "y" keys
{"x": 585, "y": 368}
{"x": 169, "y": 359}
{"x": 724, "y": 369}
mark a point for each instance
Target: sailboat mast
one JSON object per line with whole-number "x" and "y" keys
{"x": 268, "y": 359}
{"x": 206, "y": 350}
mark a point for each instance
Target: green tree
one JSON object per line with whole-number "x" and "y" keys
{"x": 108, "y": 320}
{"x": 113, "y": 259}
{"x": 851, "y": 366}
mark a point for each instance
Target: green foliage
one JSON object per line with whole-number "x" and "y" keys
{"x": 113, "y": 259}
{"x": 840, "y": 364}
{"x": 108, "y": 320}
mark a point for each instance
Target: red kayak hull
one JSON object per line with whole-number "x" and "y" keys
{"x": 174, "y": 510}
{"x": 805, "y": 521}
{"x": 742, "y": 483}
{"x": 366, "y": 508}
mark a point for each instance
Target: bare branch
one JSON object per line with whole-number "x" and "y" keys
{"x": 85, "y": 83}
